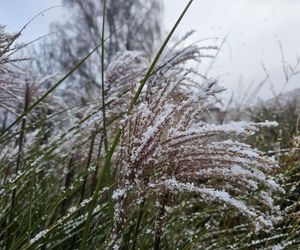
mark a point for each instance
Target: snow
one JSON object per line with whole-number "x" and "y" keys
{"x": 118, "y": 193}
{"x": 213, "y": 195}
{"x": 38, "y": 236}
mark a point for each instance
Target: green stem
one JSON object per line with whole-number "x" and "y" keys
{"x": 102, "y": 78}
{"x": 136, "y": 233}
{"x": 100, "y": 181}
{"x": 20, "y": 151}
{"x": 158, "y": 55}
{"x": 93, "y": 135}
{"x": 95, "y": 174}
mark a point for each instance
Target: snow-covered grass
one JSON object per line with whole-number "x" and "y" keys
{"x": 138, "y": 168}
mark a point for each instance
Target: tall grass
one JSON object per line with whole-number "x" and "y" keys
{"x": 137, "y": 168}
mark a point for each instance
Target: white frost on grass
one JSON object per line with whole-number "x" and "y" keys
{"x": 38, "y": 236}
{"x": 221, "y": 196}
{"x": 118, "y": 193}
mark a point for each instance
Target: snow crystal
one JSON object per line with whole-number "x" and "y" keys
{"x": 39, "y": 236}
{"x": 277, "y": 247}
{"x": 212, "y": 194}
{"x": 85, "y": 202}
{"x": 118, "y": 193}
{"x": 270, "y": 124}
{"x": 72, "y": 210}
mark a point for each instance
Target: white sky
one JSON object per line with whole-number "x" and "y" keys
{"x": 254, "y": 29}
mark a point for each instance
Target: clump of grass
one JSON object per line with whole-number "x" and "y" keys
{"x": 166, "y": 153}
{"x": 65, "y": 187}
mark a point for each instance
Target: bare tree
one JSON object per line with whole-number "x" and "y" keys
{"x": 129, "y": 25}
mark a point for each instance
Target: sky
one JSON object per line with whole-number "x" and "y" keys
{"x": 253, "y": 29}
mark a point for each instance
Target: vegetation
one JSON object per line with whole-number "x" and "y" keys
{"x": 128, "y": 158}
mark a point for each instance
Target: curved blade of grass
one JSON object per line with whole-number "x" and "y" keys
{"x": 102, "y": 80}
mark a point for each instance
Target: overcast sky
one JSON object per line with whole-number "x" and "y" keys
{"x": 253, "y": 28}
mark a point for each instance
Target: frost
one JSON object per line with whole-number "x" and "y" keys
{"x": 39, "y": 236}
{"x": 72, "y": 210}
{"x": 165, "y": 148}
{"x": 85, "y": 202}
{"x": 270, "y": 124}
{"x": 118, "y": 194}
{"x": 277, "y": 247}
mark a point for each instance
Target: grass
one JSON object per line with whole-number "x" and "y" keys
{"x": 144, "y": 176}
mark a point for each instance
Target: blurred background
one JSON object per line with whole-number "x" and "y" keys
{"x": 261, "y": 37}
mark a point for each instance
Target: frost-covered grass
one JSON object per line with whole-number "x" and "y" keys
{"x": 140, "y": 167}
